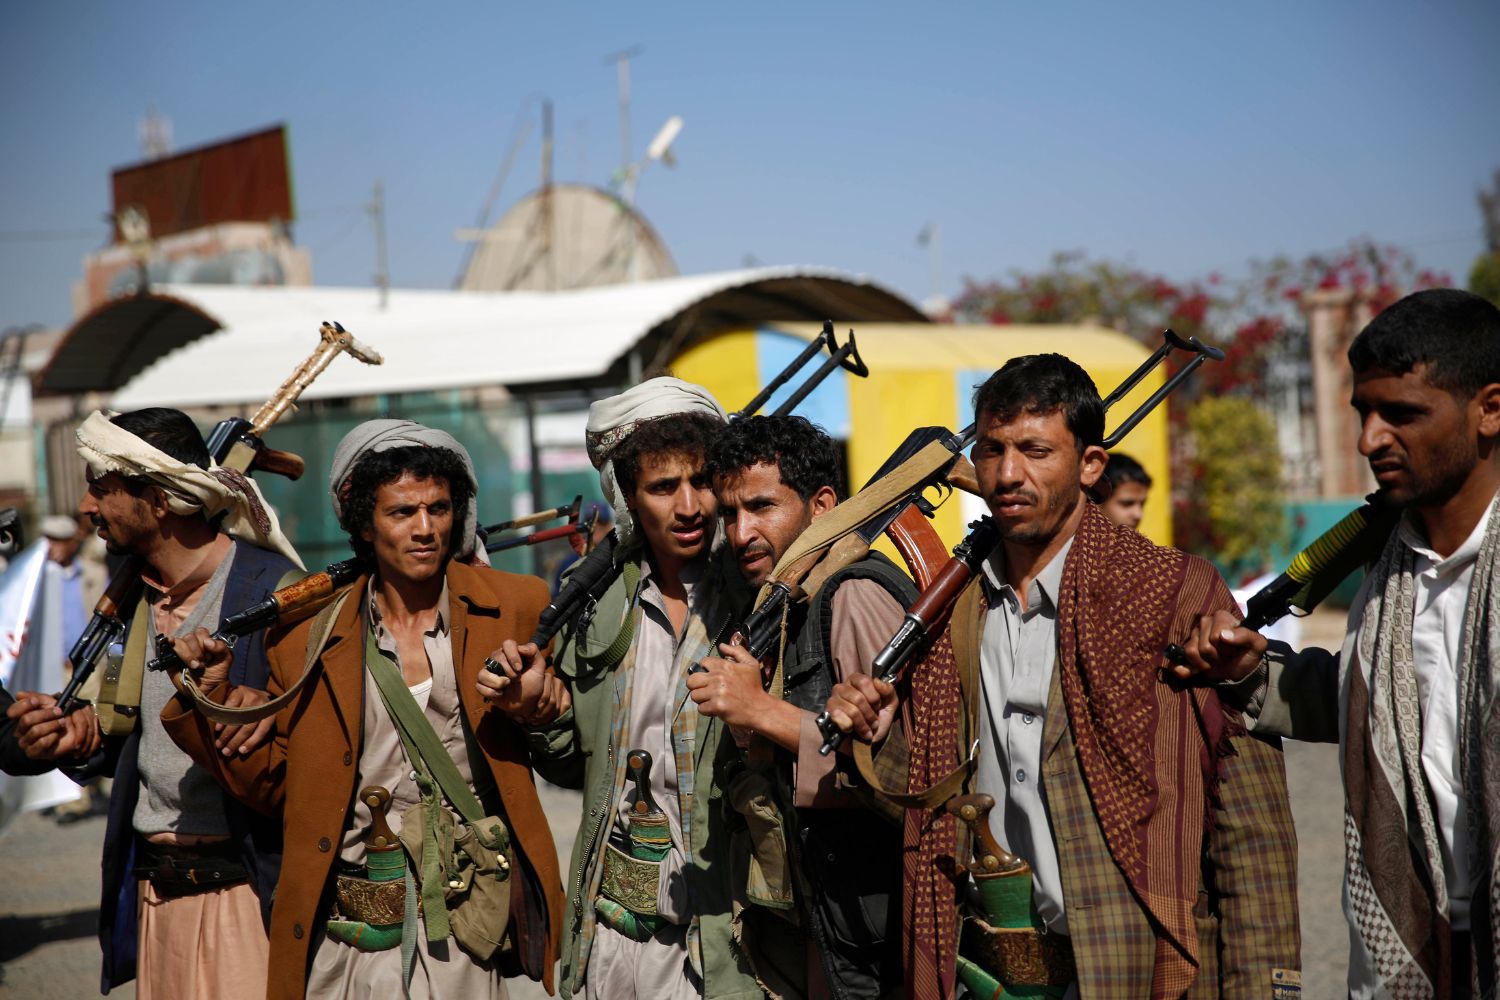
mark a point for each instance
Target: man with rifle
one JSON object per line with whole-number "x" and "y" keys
{"x": 773, "y": 477}
{"x": 1411, "y": 697}
{"x": 650, "y": 908}
{"x": 382, "y": 750}
{"x": 183, "y": 862}
{"x": 1158, "y": 834}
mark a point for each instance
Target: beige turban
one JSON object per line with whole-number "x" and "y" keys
{"x": 612, "y": 420}
{"x": 189, "y": 489}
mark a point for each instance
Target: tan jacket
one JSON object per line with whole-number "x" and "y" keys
{"x": 305, "y": 772}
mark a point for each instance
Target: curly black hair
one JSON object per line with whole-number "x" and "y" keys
{"x": 675, "y": 434}
{"x": 377, "y": 468}
{"x": 806, "y": 456}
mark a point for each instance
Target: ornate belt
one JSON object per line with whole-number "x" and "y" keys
{"x": 631, "y": 882}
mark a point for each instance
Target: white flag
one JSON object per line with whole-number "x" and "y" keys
{"x": 30, "y": 639}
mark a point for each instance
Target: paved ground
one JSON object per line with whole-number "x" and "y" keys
{"x": 50, "y": 882}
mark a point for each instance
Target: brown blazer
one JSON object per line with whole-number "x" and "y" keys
{"x": 305, "y": 772}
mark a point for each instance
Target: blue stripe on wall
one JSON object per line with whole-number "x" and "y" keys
{"x": 828, "y": 406}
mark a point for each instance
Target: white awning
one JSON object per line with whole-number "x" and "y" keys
{"x": 450, "y": 339}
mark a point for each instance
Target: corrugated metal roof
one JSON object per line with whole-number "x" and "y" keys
{"x": 445, "y": 339}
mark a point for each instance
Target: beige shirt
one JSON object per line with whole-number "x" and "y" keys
{"x": 441, "y": 972}
{"x": 864, "y": 616}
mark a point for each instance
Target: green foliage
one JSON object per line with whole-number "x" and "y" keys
{"x": 1233, "y": 503}
{"x": 1484, "y": 279}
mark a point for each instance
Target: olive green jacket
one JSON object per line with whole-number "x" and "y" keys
{"x": 582, "y": 749}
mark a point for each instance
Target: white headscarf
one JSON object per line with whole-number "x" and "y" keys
{"x": 612, "y": 420}
{"x": 387, "y": 433}
{"x": 189, "y": 489}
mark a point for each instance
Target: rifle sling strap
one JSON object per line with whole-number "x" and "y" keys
{"x": 118, "y": 705}
{"x": 965, "y": 625}
{"x": 321, "y": 627}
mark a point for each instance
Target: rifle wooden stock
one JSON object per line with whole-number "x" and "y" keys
{"x": 279, "y": 463}
{"x": 290, "y": 603}
{"x": 925, "y": 617}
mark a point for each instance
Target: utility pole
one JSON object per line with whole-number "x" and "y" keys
{"x": 621, "y": 60}
{"x": 377, "y": 212}
{"x": 550, "y": 257}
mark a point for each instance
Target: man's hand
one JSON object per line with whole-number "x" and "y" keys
{"x": 246, "y": 736}
{"x": 864, "y": 706}
{"x": 207, "y": 658}
{"x": 729, "y": 688}
{"x": 44, "y": 733}
{"x": 1219, "y": 650}
{"x": 527, "y": 689}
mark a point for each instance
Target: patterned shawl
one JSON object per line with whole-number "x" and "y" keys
{"x": 1151, "y": 776}
{"x": 1396, "y": 894}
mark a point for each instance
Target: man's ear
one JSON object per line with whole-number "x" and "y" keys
{"x": 1488, "y": 402}
{"x": 824, "y": 500}
{"x": 1091, "y": 465}
{"x": 156, "y": 499}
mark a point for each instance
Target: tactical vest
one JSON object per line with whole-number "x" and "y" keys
{"x": 851, "y": 858}
{"x": 808, "y": 664}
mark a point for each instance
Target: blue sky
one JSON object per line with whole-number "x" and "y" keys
{"x": 1185, "y": 137}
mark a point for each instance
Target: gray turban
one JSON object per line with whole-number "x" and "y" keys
{"x": 385, "y": 434}
{"x": 612, "y": 420}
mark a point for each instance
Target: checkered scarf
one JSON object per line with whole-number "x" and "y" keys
{"x": 1396, "y": 894}
{"x": 1151, "y": 778}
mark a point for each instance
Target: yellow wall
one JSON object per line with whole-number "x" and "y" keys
{"x": 914, "y": 382}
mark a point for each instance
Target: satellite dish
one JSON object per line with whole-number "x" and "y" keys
{"x": 564, "y": 237}
{"x": 661, "y": 146}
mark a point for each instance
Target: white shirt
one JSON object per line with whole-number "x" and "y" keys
{"x": 1017, "y": 654}
{"x": 1442, "y": 597}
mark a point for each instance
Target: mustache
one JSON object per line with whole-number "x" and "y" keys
{"x": 1019, "y": 494}
{"x": 755, "y": 549}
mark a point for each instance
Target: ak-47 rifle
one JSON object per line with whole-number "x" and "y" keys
{"x": 573, "y": 527}
{"x": 596, "y": 571}
{"x": 932, "y": 606}
{"x": 235, "y": 443}
{"x": 296, "y": 599}
{"x": 1354, "y": 541}
{"x": 569, "y": 511}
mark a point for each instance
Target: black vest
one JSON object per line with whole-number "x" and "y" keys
{"x": 851, "y": 858}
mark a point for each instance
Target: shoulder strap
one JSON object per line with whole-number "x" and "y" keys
{"x": 964, "y": 629}
{"x": 616, "y": 650}
{"x": 318, "y": 637}
{"x": 417, "y": 734}
{"x": 119, "y": 703}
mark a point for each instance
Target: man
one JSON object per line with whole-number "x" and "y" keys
{"x": 1158, "y": 834}
{"x": 418, "y": 627}
{"x": 627, "y": 673}
{"x": 1126, "y": 503}
{"x": 1411, "y": 696}
{"x": 773, "y": 477}
{"x": 183, "y": 863}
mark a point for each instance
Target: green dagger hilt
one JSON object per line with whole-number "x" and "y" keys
{"x": 638, "y": 770}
